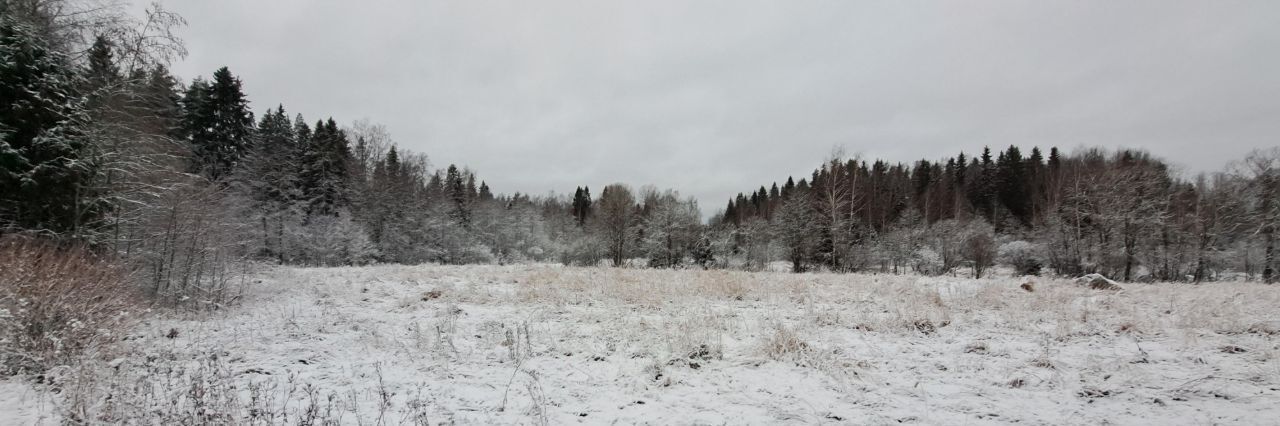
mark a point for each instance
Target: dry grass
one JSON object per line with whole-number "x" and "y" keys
{"x": 57, "y": 301}
{"x": 546, "y": 344}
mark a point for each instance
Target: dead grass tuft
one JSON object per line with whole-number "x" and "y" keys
{"x": 784, "y": 345}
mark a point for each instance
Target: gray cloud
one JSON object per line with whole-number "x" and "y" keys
{"x": 714, "y": 97}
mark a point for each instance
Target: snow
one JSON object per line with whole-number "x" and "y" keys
{"x": 21, "y": 403}
{"x": 534, "y": 344}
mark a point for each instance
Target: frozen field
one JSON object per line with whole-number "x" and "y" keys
{"x": 551, "y": 345}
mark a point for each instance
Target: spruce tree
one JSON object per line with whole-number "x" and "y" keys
{"x": 218, "y": 124}
{"x": 436, "y": 188}
{"x": 456, "y": 190}
{"x": 270, "y": 171}
{"x": 586, "y": 204}
{"x": 324, "y": 177}
{"x": 581, "y": 205}
{"x": 1011, "y": 182}
{"x": 270, "y": 176}
{"x": 788, "y": 188}
{"x": 103, "y": 74}
{"x": 982, "y": 188}
{"x": 42, "y": 173}
{"x": 159, "y": 96}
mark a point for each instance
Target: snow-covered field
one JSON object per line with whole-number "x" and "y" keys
{"x": 553, "y": 345}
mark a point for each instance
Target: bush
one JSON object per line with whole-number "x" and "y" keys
{"x": 471, "y": 254}
{"x": 980, "y": 250}
{"x": 583, "y": 250}
{"x": 928, "y": 262}
{"x": 57, "y": 301}
{"x": 1023, "y": 256}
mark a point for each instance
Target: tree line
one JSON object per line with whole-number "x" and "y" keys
{"x": 99, "y": 143}
{"x": 1125, "y": 214}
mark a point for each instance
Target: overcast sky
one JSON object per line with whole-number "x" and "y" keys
{"x": 717, "y": 97}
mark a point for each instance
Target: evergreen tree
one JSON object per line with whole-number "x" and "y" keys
{"x": 982, "y": 190}
{"x": 325, "y": 168}
{"x": 1011, "y": 181}
{"x": 392, "y": 168}
{"x": 459, "y": 196}
{"x": 270, "y": 176}
{"x": 796, "y": 225}
{"x": 159, "y": 97}
{"x": 103, "y": 74}
{"x": 42, "y": 173}
{"x": 435, "y": 188}
{"x": 218, "y": 123}
{"x": 301, "y": 132}
{"x": 788, "y": 188}
{"x": 473, "y": 192}
{"x": 775, "y": 202}
{"x": 582, "y": 205}
{"x": 1035, "y": 184}
{"x": 270, "y": 171}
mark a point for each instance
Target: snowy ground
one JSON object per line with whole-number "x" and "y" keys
{"x": 552, "y": 345}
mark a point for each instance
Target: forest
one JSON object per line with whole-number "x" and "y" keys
{"x": 184, "y": 182}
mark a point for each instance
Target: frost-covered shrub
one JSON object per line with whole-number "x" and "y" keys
{"x": 583, "y": 251}
{"x": 56, "y": 301}
{"x": 1025, "y": 257}
{"x": 473, "y": 254}
{"x": 979, "y": 247}
{"x": 928, "y": 262}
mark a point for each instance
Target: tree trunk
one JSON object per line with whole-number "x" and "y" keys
{"x": 1268, "y": 261}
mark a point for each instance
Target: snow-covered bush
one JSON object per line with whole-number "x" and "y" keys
{"x": 928, "y": 262}
{"x": 475, "y": 253}
{"x": 583, "y": 250}
{"x": 56, "y": 301}
{"x": 979, "y": 246}
{"x": 1025, "y": 257}
{"x": 946, "y": 239}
